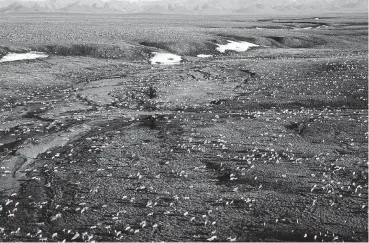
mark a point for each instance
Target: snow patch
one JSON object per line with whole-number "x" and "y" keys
{"x": 165, "y": 59}
{"x": 10, "y": 57}
{"x": 204, "y": 55}
{"x": 235, "y": 46}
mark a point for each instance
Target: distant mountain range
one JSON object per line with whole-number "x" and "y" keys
{"x": 249, "y": 7}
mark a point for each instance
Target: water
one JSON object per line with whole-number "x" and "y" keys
{"x": 10, "y": 57}
{"x": 235, "y": 46}
{"x": 165, "y": 59}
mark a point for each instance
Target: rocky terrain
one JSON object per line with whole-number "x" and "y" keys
{"x": 98, "y": 144}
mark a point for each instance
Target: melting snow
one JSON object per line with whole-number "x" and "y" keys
{"x": 10, "y": 57}
{"x": 165, "y": 59}
{"x": 235, "y": 46}
{"x": 204, "y": 55}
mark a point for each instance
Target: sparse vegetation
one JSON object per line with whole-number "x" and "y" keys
{"x": 266, "y": 145}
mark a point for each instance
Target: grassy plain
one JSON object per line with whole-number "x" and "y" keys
{"x": 266, "y": 145}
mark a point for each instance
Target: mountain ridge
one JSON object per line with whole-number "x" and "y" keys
{"x": 186, "y": 6}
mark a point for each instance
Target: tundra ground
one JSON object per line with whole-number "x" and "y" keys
{"x": 96, "y": 144}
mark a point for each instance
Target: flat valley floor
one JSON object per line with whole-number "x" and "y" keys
{"x": 97, "y": 144}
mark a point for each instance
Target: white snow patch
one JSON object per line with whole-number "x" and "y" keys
{"x": 235, "y": 46}
{"x": 10, "y": 57}
{"x": 165, "y": 59}
{"x": 204, "y": 55}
